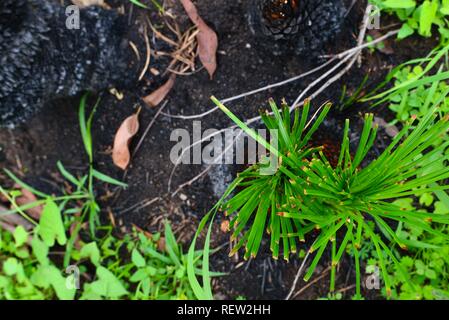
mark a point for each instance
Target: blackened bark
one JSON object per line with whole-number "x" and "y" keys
{"x": 41, "y": 59}
{"x": 304, "y": 26}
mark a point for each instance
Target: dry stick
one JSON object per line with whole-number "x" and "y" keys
{"x": 362, "y": 46}
{"x": 249, "y": 93}
{"x": 178, "y": 161}
{"x": 322, "y": 275}
{"x": 350, "y": 7}
{"x": 134, "y": 48}
{"x": 282, "y": 83}
{"x": 317, "y": 81}
{"x": 140, "y": 205}
{"x": 148, "y": 58}
{"x": 343, "y": 290}
{"x": 148, "y": 128}
{"x": 298, "y": 274}
{"x": 202, "y": 173}
{"x": 191, "y": 181}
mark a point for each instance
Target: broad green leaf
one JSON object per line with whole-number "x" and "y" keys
{"x": 51, "y": 227}
{"x": 40, "y": 250}
{"x": 445, "y": 7}
{"x": 108, "y": 285}
{"x": 20, "y": 236}
{"x": 50, "y": 275}
{"x": 137, "y": 259}
{"x": 10, "y": 266}
{"x": 138, "y": 276}
{"x": 405, "y": 31}
{"x": 92, "y": 252}
{"x": 399, "y": 4}
{"x": 441, "y": 208}
{"x": 428, "y": 13}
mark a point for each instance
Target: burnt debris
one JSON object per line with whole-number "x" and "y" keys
{"x": 41, "y": 59}
{"x": 299, "y": 26}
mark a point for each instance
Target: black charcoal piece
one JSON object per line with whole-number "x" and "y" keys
{"x": 301, "y": 26}
{"x": 41, "y": 59}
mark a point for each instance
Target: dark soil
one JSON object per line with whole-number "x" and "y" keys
{"x": 32, "y": 150}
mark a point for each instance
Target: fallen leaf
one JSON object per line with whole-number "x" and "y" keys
{"x": 120, "y": 152}
{"x": 224, "y": 226}
{"x": 207, "y": 38}
{"x": 87, "y": 3}
{"x": 26, "y": 198}
{"x": 161, "y": 244}
{"x": 159, "y": 94}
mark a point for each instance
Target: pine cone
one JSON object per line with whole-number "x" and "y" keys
{"x": 302, "y": 25}
{"x": 41, "y": 59}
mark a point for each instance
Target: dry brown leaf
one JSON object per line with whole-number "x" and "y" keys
{"x": 161, "y": 244}
{"x": 224, "y": 226}
{"x": 26, "y": 198}
{"x": 120, "y": 151}
{"x": 207, "y": 38}
{"x": 87, "y": 3}
{"x": 156, "y": 97}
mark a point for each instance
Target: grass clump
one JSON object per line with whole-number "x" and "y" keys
{"x": 348, "y": 203}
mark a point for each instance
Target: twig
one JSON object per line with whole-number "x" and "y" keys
{"x": 252, "y": 92}
{"x": 148, "y": 58}
{"x": 178, "y": 161}
{"x": 298, "y": 274}
{"x": 339, "y": 56}
{"x": 202, "y": 173}
{"x": 148, "y": 128}
{"x": 342, "y": 290}
{"x": 140, "y": 205}
{"x": 311, "y": 283}
{"x": 191, "y": 181}
{"x": 348, "y": 11}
